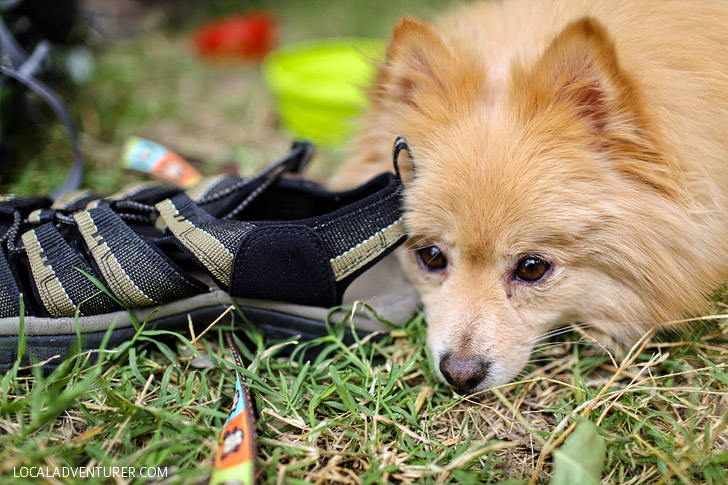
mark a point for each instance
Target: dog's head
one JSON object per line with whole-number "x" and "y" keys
{"x": 534, "y": 198}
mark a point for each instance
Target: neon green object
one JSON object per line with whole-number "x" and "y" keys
{"x": 320, "y": 85}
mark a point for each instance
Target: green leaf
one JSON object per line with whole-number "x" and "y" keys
{"x": 716, "y": 373}
{"x": 343, "y": 391}
{"x": 580, "y": 459}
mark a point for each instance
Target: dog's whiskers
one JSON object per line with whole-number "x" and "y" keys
{"x": 414, "y": 245}
{"x": 550, "y": 334}
{"x": 548, "y": 345}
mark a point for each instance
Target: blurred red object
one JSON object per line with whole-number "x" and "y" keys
{"x": 247, "y": 36}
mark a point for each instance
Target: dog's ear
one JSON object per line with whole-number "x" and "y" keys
{"x": 579, "y": 74}
{"x": 417, "y": 60}
{"x": 421, "y": 84}
{"x": 579, "y": 71}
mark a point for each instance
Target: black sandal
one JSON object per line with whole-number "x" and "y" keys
{"x": 283, "y": 249}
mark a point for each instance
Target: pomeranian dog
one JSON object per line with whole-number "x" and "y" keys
{"x": 569, "y": 163}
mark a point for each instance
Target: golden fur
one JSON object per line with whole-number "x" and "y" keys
{"x": 593, "y": 134}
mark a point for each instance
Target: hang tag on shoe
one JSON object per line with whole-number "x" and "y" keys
{"x": 147, "y": 156}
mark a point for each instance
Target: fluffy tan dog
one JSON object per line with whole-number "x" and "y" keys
{"x": 570, "y": 164}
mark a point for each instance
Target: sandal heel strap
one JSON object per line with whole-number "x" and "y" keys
{"x": 285, "y": 263}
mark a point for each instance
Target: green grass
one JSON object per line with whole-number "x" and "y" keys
{"x": 369, "y": 413}
{"x": 372, "y": 412}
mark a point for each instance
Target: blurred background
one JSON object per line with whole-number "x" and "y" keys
{"x": 197, "y": 77}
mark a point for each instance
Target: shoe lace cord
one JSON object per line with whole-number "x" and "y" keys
{"x": 295, "y": 162}
{"x": 8, "y": 241}
{"x": 145, "y": 213}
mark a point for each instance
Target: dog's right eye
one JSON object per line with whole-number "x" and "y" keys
{"x": 431, "y": 259}
{"x": 531, "y": 269}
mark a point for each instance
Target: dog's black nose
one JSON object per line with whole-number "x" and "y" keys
{"x": 464, "y": 373}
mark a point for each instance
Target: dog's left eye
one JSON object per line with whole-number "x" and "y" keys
{"x": 431, "y": 259}
{"x": 532, "y": 269}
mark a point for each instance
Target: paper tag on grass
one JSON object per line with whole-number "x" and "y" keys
{"x": 580, "y": 460}
{"x": 235, "y": 459}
